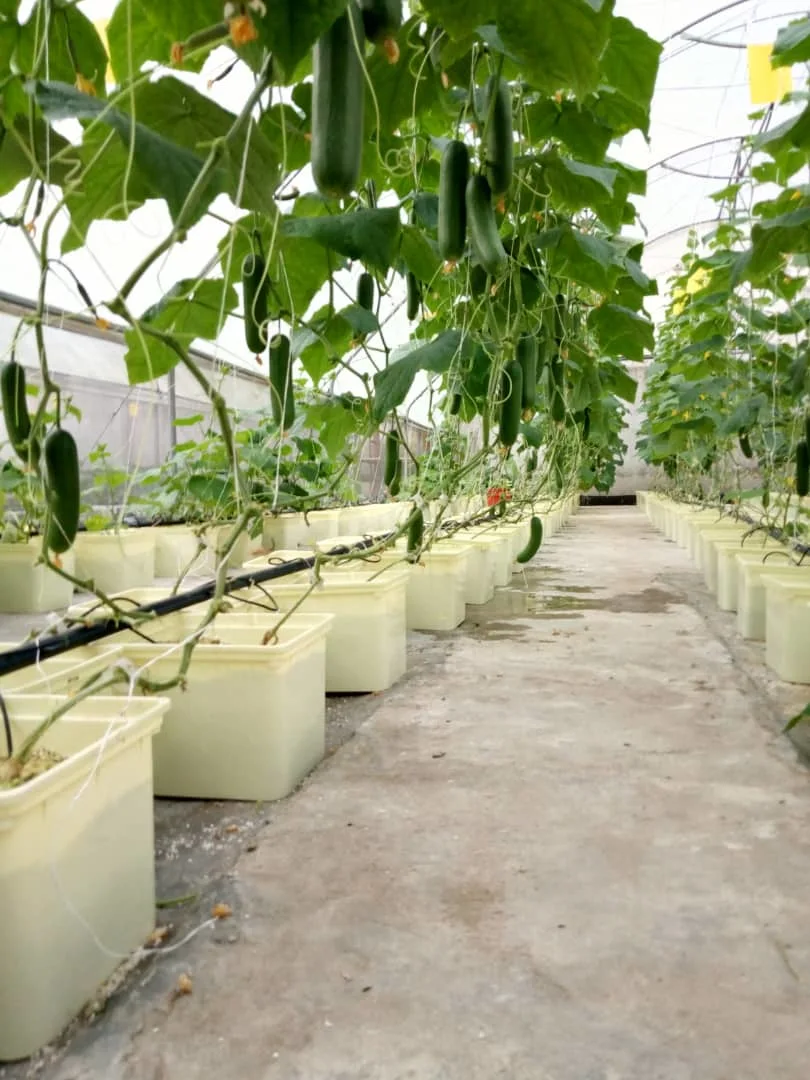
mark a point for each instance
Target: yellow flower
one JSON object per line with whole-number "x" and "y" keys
{"x": 84, "y": 85}
{"x": 243, "y": 29}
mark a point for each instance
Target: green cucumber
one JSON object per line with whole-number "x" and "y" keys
{"x": 381, "y": 19}
{"x": 392, "y": 463}
{"x": 486, "y": 240}
{"x": 281, "y": 387}
{"x": 499, "y": 135}
{"x": 338, "y": 100}
{"x": 557, "y": 388}
{"x": 455, "y": 402}
{"x": 416, "y": 531}
{"x": 527, "y": 357}
{"x": 62, "y": 491}
{"x": 414, "y": 293}
{"x": 453, "y": 177}
{"x": 15, "y": 411}
{"x": 255, "y": 286}
{"x": 745, "y": 444}
{"x": 365, "y": 291}
{"x": 531, "y": 461}
{"x": 534, "y": 541}
{"x": 802, "y": 467}
{"x": 586, "y": 423}
{"x": 511, "y": 402}
{"x": 807, "y": 429}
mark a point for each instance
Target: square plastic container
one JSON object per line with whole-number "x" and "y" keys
{"x": 27, "y": 588}
{"x": 116, "y": 560}
{"x": 728, "y": 561}
{"x": 62, "y": 674}
{"x": 77, "y": 878}
{"x": 787, "y": 627}
{"x": 182, "y": 549}
{"x": 751, "y": 611}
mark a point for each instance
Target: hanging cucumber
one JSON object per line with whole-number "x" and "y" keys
{"x": 807, "y": 429}
{"x": 338, "y": 97}
{"x": 381, "y": 19}
{"x": 499, "y": 135}
{"x": 414, "y": 294}
{"x": 527, "y": 356}
{"x": 62, "y": 491}
{"x": 453, "y": 177}
{"x": 745, "y": 444}
{"x": 486, "y": 240}
{"x": 455, "y": 402}
{"x": 15, "y": 411}
{"x": 281, "y": 388}
{"x": 802, "y": 467}
{"x": 511, "y": 402}
{"x": 416, "y": 531}
{"x": 557, "y": 388}
{"x": 586, "y": 423}
{"x": 365, "y": 291}
{"x": 255, "y": 286}
{"x": 534, "y": 541}
{"x": 392, "y": 462}
{"x": 531, "y": 461}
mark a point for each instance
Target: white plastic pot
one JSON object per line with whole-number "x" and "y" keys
{"x": 283, "y": 531}
{"x": 480, "y": 578}
{"x": 751, "y": 609}
{"x": 185, "y": 549}
{"x": 503, "y": 555}
{"x": 728, "y": 561}
{"x": 29, "y": 588}
{"x": 76, "y": 862}
{"x": 366, "y": 647}
{"x": 116, "y": 560}
{"x": 787, "y": 627}
{"x": 250, "y": 723}
{"x": 62, "y": 674}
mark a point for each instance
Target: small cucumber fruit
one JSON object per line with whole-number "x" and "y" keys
{"x": 807, "y": 429}
{"x": 486, "y": 240}
{"x": 586, "y": 423}
{"x": 365, "y": 291}
{"x": 338, "y": 99}
{"x": 500, "y": 135}
{"x": 527, "y": 356}
{"x": 534, "y": 541}
{"x": 557, "y": 388}
{"x": 414, "y": 293}
{"x": 381, "y": 19}
{"x": 62, "y": 491}
{"x": 511, "y": 402}
{"x": 455, "y": 402}
{"x": 531, "y": 461}
{"x": 454, "y": 174}
{"x": 392, "y": 463}
{"x": 802, "y": 467}
{"x": 416, "y": 531}
{"x": 745, "y": 444}
{"x": 15, "y": 411}
{"x": 281, "y": 387}
{"x": 255, "y": 286}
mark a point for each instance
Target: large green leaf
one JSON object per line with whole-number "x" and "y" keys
{"x": 401, "y": 90}
{"x": 419, "y": 254}
{"x": 794, "y": 132}
{"x": 771, "y": 240}
{"x": 621, "y": 332}
{"x": 336, "y": 421}
{"x": 616, "y": 380}
{"x": 71, "y": 37}
{"x": 792, "y": 44}
{"x": 169, "y": 170}
{"x": 559, "y": 42}
{"x": 391, "y": 386}
{"x": 142, "y": 30}
{"x": 588, "y": 260}
{"x": 190, "y": 310}
{"x": 369, "y": 235}
{"x": 459, "y": 17}
{"x": 289, "y": 28}
{"x": 176, "y": 111}
{"x": 573, "y": 124}
{"x": 15, "y": 164}
{"x": 630, "y": 63}
{"x": 328, "y": 337}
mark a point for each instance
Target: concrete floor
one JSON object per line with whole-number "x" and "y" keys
{"x": 571, "y": 845}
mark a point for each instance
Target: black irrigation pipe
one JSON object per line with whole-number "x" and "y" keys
{"x": 32, "y": 652}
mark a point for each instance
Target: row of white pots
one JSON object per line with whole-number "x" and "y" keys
{"x": 75, "y": 899}
{"x": 750, "y": 573}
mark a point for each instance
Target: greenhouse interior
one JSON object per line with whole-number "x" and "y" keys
{"x": 404, "y": 592}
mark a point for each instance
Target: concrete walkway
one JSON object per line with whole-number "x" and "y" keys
{"x": 575, "y": 849}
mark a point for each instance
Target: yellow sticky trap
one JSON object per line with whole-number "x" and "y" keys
{"x": 768, "y": 85}
{"x": 101, "y": 30}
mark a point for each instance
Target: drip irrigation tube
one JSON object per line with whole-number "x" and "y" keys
{"x": 38, "y": 649}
